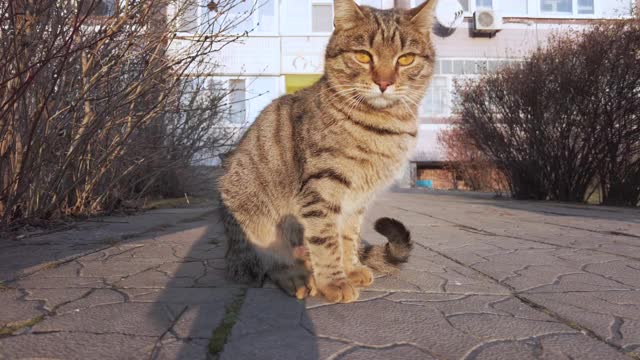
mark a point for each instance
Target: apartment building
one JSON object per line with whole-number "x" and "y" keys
{"x": 284, "y": 48}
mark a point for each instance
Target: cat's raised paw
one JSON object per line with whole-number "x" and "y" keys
{"x": 339, "y": 291}
{"x": 360, "y": 277}
{"x": 295, "y": 281}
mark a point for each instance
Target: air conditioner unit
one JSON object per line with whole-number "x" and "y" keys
{"x": 487, "y": 21}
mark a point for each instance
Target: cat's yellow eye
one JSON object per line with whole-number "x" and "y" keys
{"x": 407, "y": 59}
{"x": 363, "y": 58}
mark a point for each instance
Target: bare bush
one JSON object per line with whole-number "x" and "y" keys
{"x": 469, "y": 164}
{"x": 96, "y": 102}
{"x": 565, "y": 118}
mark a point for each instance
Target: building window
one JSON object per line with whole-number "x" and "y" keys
{"x": 465, "y": 4}
{"x": 586, "y": 7}
{"x": 267, "y": 17}
{"x": 188, "y": 16}
{"x": 373, "y": 3}
{"x": 556, "y": 6}
{"x": 514, "y": 7}
{"x": 484, "y": 4}
{"x": 567, "y": 7}
{"x": 436, "y": 101}
{"x": 104, "y": 7}
{"x": 322, "y": 18}
{"x": 237, "y": 101}
{"x": 239, "y": 17}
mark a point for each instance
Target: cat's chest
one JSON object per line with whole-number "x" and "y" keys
{"x": 386, "y": 161}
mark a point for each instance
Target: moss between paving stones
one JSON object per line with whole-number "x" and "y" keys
{"x": 222, "y": 332}
{"x": 9, "y": 329}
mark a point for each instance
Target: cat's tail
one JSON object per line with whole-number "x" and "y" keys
{"x": 387, "y": 258}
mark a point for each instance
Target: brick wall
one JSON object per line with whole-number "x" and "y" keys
{"x": 442, "y": 179}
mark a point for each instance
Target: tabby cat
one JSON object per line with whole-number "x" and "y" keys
{"x": 297, "y": 186}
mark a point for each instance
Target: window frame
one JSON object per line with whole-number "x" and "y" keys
{"x": 201, "y": 14}
{"x": 479, "y": 66}
{"x": 574, "y": 11}
{"x": 231, "y": 102}
{"x": 310, "y": 7}
{"x": 310, "y": 14}
{"x": 534, "y": 10}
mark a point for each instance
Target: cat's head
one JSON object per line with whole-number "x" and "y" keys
{"x": 381, "y": 57}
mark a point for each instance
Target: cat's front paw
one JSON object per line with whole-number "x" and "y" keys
{"x": 295, "y": 281}
{"x": 360, "y": 277}
{"x": 337, "y": 291}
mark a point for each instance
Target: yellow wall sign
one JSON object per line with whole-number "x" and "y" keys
{"x": 294, "y": 83}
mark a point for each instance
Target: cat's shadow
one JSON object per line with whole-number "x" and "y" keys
{"x": 226, "y": 320}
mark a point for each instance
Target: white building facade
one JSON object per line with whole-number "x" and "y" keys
{"x": 284, "y": 48}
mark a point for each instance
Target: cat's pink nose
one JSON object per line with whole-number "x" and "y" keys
{"x": 383, "y": 85}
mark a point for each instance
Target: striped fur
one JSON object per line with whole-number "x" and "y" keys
{"x": 312, "y": 161}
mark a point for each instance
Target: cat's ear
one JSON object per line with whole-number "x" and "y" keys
{"x": 347, "y": 14}
{"x": 422, "y": 16}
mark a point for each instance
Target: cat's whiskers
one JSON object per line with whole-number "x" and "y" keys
{"x": 340, "y": 93}
{"x": 358, "y": 100}
{"x": 404, "y": 103}
{"x": 414, "y": 97}
{"x": 338, "y": 87}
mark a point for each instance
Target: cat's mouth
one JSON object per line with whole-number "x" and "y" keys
{"x": 381, "y": 102}
{"x": 382, "y": 99}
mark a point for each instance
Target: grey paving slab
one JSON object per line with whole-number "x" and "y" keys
{"x": 488, "y": 279}
{"x": 75, "y": 346}
{"x": 138, "y": 295}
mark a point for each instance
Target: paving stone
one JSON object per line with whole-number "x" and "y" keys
{"x": 552, "y": 346}
{"x": 52, "y": 298}
{"x": 365, "y": 295}
{"x": 117, "y": 268}
{"x": 472, "y": 304}
{"x": 214, "y": 277}
{"x": 382, "y": 322}
{"x": 75, "y": 346}
{"x": 193, "y": 349}
{"x": 395, "y": 352}
{"x": 28, "y": 255}
{"x": 613, "y": 315}
{"x": 96, "y": 297}
{"x": 129, "y": 319}
{"x": 487, "y": 279}
{"x": 571, "y": 282}
{"x": 187, "y": 296}
{"x": 271, "y": 325}
{"x": 268, "y": 310}
{"x": 199, "y": 321}
{"x": 284, "y": 344}
{"x": 38, "y": 281}
{"x": 192, "y": 270}
{"x": 501, "y": 326}
{"x": 625, "y": 271}
{"x": 152, "y": 279}
{"x": 14, "y": 309}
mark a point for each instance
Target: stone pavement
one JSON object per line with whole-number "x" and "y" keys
{"x": 488, "y": 279}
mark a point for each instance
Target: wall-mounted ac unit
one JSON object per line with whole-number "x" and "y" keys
{"x": 487, "y": 21}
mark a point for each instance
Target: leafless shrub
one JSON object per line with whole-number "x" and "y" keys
{"x": 469, "y": 164}
{"x": 96, "y": 105}
{"x": 568, "y": 117}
